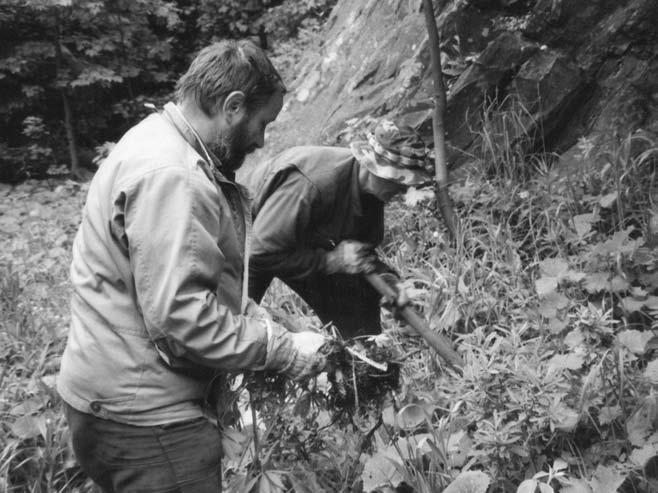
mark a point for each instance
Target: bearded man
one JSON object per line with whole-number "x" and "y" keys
{"x": 159, "y": 277}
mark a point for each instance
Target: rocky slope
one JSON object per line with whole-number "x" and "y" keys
{"x": 566, "y": 70}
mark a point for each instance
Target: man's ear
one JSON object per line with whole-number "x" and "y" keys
{"x": 234, "y": 106}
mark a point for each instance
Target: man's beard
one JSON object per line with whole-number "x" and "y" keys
{"x": 231, "y": 149}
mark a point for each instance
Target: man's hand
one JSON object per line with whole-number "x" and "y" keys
{"x": 296, "y": 354}
{"x": 350, "y": 257}
{"x": 394, "y": 304}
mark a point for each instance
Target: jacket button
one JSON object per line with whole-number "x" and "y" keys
{"x": 95, "y": 406}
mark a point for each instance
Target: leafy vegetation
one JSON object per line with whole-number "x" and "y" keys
{"x": 60, "y": 61}
{"x": 551, "y": 296}
{"x": 550, "y": 293}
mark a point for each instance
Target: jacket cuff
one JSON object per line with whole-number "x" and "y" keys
{"x": 280, "y": 353}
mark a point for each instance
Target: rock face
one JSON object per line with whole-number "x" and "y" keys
{"x": 571, "y": 68}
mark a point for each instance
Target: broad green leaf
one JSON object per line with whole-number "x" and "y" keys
{"x": 653, "y": 342}
{"x": 459, "y": 446}
{"x": 596, "y": 282}
{"x": 651, "y": 303}
{"x": 608, "y": 414}
{"x": 233, "y": 443}
{"x": 545, "y": 488}
{"x": 410, "y": 416}
{"x": 640, "y": 456}
{"x": 96, "y": 75}
{"x": 275, "y": 480}
{"x": 600, "y": 281}
{"x": 634, "y": 340}
{"x": 566, "y": 362}
{"x": 248, "y": 484}
{"x": 574, "y": 338}
{"x": 576, "y": 485}
{"x": 388, "y": 415}
{"x": 608, "y": 200}
{"x": 638, "y": 292}
{"x": 449, "y": 317}
{"x": 583, "y": 223}
{"x": 378, "y": 471}
{"x": 651, "y": 372}
{"x": 553, "y": 267}
{"x": 411, "y": 445}
{"x": 27, "y": 426}
{"x": 562, "y": 417}
{"x": 520, "y": 451}
{"x": 649, "y": 279}
{"x": 574, "y": 276}
{"x": 545, "y": 286}
{"x": 559, "y": 465}
{"x": 606, "y": 480}
{"x": 469, "y": 482}
{"x": 618, "y": 243}
{"x": 556, "y": 325}
{"x": 43, "y": 4}
{"x": 527, "y": 486}
{"x": 630, "y": 304}
{"x": 413, "y": 197}
{"x": 619, "y": 284}
{"x": 550, "y": 304}
{"x": 640, "y": 423}
{"x": 303, "y": 404}
{"x": 29, "y": 406}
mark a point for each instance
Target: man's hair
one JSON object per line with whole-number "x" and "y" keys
{"x": 228, "y": 66}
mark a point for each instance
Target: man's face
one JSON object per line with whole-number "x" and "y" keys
{"x": 383, "y": 189}
{"x": 246, "y": 134}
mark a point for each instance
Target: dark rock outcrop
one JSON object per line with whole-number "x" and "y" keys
{"x": 577, "y": 69}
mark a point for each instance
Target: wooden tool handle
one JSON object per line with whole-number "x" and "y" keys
{"x": 439, "y": 343}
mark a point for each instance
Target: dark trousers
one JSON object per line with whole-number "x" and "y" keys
{"x": 178, "y": 458}
{"x": 347, "y": 301}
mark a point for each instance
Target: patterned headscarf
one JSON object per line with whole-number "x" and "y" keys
{"x": 395, "y": 152}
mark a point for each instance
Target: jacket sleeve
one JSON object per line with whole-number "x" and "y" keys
{"x": 172, "y": 222}
{"x": 280, "y": 244}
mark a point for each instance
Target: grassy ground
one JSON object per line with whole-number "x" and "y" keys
{"x": 38, "y": 221}
{"x": 550, "y": 294}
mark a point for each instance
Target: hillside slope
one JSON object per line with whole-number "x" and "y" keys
{"x": 571, "y": 69}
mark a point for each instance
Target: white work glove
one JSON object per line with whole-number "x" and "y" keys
{"x": 254, "y": 310}
{"x": 350, "y": 257}
{"x": 295, "y": 354}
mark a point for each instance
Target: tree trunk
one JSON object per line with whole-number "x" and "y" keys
{"x": 70, "y": 134}
{"x": 444, "y": 204}
{"x": 66, "y": 103}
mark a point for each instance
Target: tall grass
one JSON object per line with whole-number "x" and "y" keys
{"x": 545, "y": 380}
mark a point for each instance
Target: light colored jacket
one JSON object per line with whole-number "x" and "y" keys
{"x": 158, "y": 278}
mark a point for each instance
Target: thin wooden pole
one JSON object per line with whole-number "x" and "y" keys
{"x": 444, "y": 204}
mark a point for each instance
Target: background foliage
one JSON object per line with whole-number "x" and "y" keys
{"x": 62, "y": 60}
{"x": 551, "y": 293}
{"x": 551, "y": 296}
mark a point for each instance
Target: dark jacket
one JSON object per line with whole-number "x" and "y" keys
{"x": 306, "y": 200}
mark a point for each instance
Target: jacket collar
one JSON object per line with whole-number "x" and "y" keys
{"x": 189, "y": 134}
